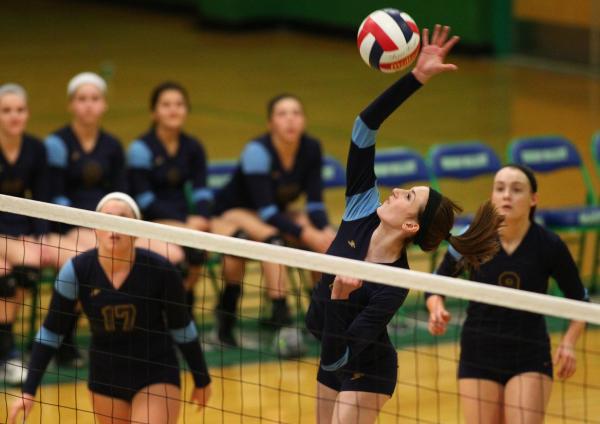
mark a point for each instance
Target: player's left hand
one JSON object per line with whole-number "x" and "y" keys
{"x": 343, "y": 286}
{"x": 197, "y": 222}
{"x": 565, "y": 360}
{"x": 433, "y": 53}
{"x": 201, "y": 395}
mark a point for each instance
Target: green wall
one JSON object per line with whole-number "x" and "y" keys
{"x": 472, "y": 19}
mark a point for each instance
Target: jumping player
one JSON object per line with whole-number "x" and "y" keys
{"x": 134, "y": 300}
{"x": 275, "y": 170}
{"x": 358, "y": 364}
{"x": 505, "y": 368}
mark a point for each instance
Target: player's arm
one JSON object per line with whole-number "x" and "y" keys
{"x": 40, "y": 189}
{"x": 566, "y": 275}
{"x": 182, "y": 327}
{"x": 140, "y": 164}
{"x": 57, "y": 156}
{"x": 202, "y": 196}
{"x": 256, "y": 167}
{"x": 118, "y": 177}
{"x": 57, "y": 324}
{"x": 345, "y": 338}
{"x": 314, "y": 191}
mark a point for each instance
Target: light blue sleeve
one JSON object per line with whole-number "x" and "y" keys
{"x": 139, "y": 155}
{"x": 255, "y": 159}
{"x": 66, "y": 283}
{"x": 186, "y": 334}
{"x": 362, "y": 204}
{"x": 57, "y": 153}
{"x": 362, "y": 135}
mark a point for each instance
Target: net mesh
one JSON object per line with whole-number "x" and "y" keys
{"x": 271, "y": 375}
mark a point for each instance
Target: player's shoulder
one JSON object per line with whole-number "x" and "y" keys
{"x": 111, "y": 140}
{"x": 545, "y": 236}
{"x": 85, "y": 260}
{"x": 33, "y": 141}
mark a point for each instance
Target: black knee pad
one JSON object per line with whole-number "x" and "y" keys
{"x": 194, "y": 256}
{"x": 26, "y": 276}
{"x": 8, "y": 286}
{"x": 276, "y": 240}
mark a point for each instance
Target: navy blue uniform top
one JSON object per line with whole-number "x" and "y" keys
{"x": 157, "y": 180}
{"x": 27, "y": 177}
{"x": 541, "y": 255}
{"x": 261, "y": 183}
{"x": 79, "y": 178}
{"x": 354, "y": 331}
{"x": 140, "y": 321}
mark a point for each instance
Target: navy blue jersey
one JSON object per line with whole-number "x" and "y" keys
{"x": 27, "y": 177}
{"x": 139, "y": 322}
{"x": 353, "y": 332}
{"x": 79, "y": 178}
{"x": 261, "y": 183}
{"x": 541, "y": 255}
{"x": 157, "y": 180}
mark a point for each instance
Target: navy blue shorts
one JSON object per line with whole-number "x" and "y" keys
{"x": 489, "y": 358}
{"x": 377, "y": 376}
{"x": 124, "y": 382}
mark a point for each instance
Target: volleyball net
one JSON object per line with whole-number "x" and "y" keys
{"x": 270, "y": 376}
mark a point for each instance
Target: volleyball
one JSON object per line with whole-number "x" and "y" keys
{"x": 388, "y": 40}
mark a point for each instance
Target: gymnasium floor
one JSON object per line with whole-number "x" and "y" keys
{"x": 230, "y": 76}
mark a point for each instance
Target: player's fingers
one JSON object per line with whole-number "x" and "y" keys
{"x": 448, "y": 67}
{"x": 446, "y": 316}
{"x": 449, "y": 44}
{"x": 570, "y": 365}
{"x": 436, "y": 34}
{"x": 425, "y": 37}
{"x": 443, "y": 35}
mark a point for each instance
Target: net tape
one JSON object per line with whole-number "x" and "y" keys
{"x": 414, "y": 280}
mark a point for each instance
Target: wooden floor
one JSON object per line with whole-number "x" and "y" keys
{"x": 230, "y": 76}
{"x": 285, "y": 392}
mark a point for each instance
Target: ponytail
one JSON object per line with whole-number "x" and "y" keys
{"x": 477, "y": 245}
{"x": 480, "y": 242}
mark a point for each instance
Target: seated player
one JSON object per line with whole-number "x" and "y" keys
{"x": 359, "y": 365}
{"x": 23, "y": 173}
{"x": 275, "y": 169}
{"x": 135, "y": 303}
{"x": 161, "y": 162}
{"x": 85, "y": 164}
{"x": 505, "y": 368}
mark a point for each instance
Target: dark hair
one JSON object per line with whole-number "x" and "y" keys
{"x": 273, "y": 102}
{"x": 167, "y": 86}
{"x": 477, "y": 245}
{"x": 532, "y": 182}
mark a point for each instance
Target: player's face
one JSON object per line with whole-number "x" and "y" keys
{"x": 511, "y": 194}
{"x": 88, "y": 104}
{"x": 401, "y": 210}
{"x": 114, "y": 243}
{"x": 171, "y": 110}
{"x": 287, "y": 121}
{"x": 13, "y": 115}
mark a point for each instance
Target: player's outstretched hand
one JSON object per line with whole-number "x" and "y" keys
{"x": 433, "y": 53}
{"x": 23, "y": 403}
{"x": 438, "y": 315}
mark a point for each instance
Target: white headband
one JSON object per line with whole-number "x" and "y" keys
{"x": 11, "y": 88}
{"x": 86, "y": 78}
{"x": 122, "y": 197}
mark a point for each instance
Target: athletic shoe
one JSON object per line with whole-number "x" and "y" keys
{"x": 289, "y": 343}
